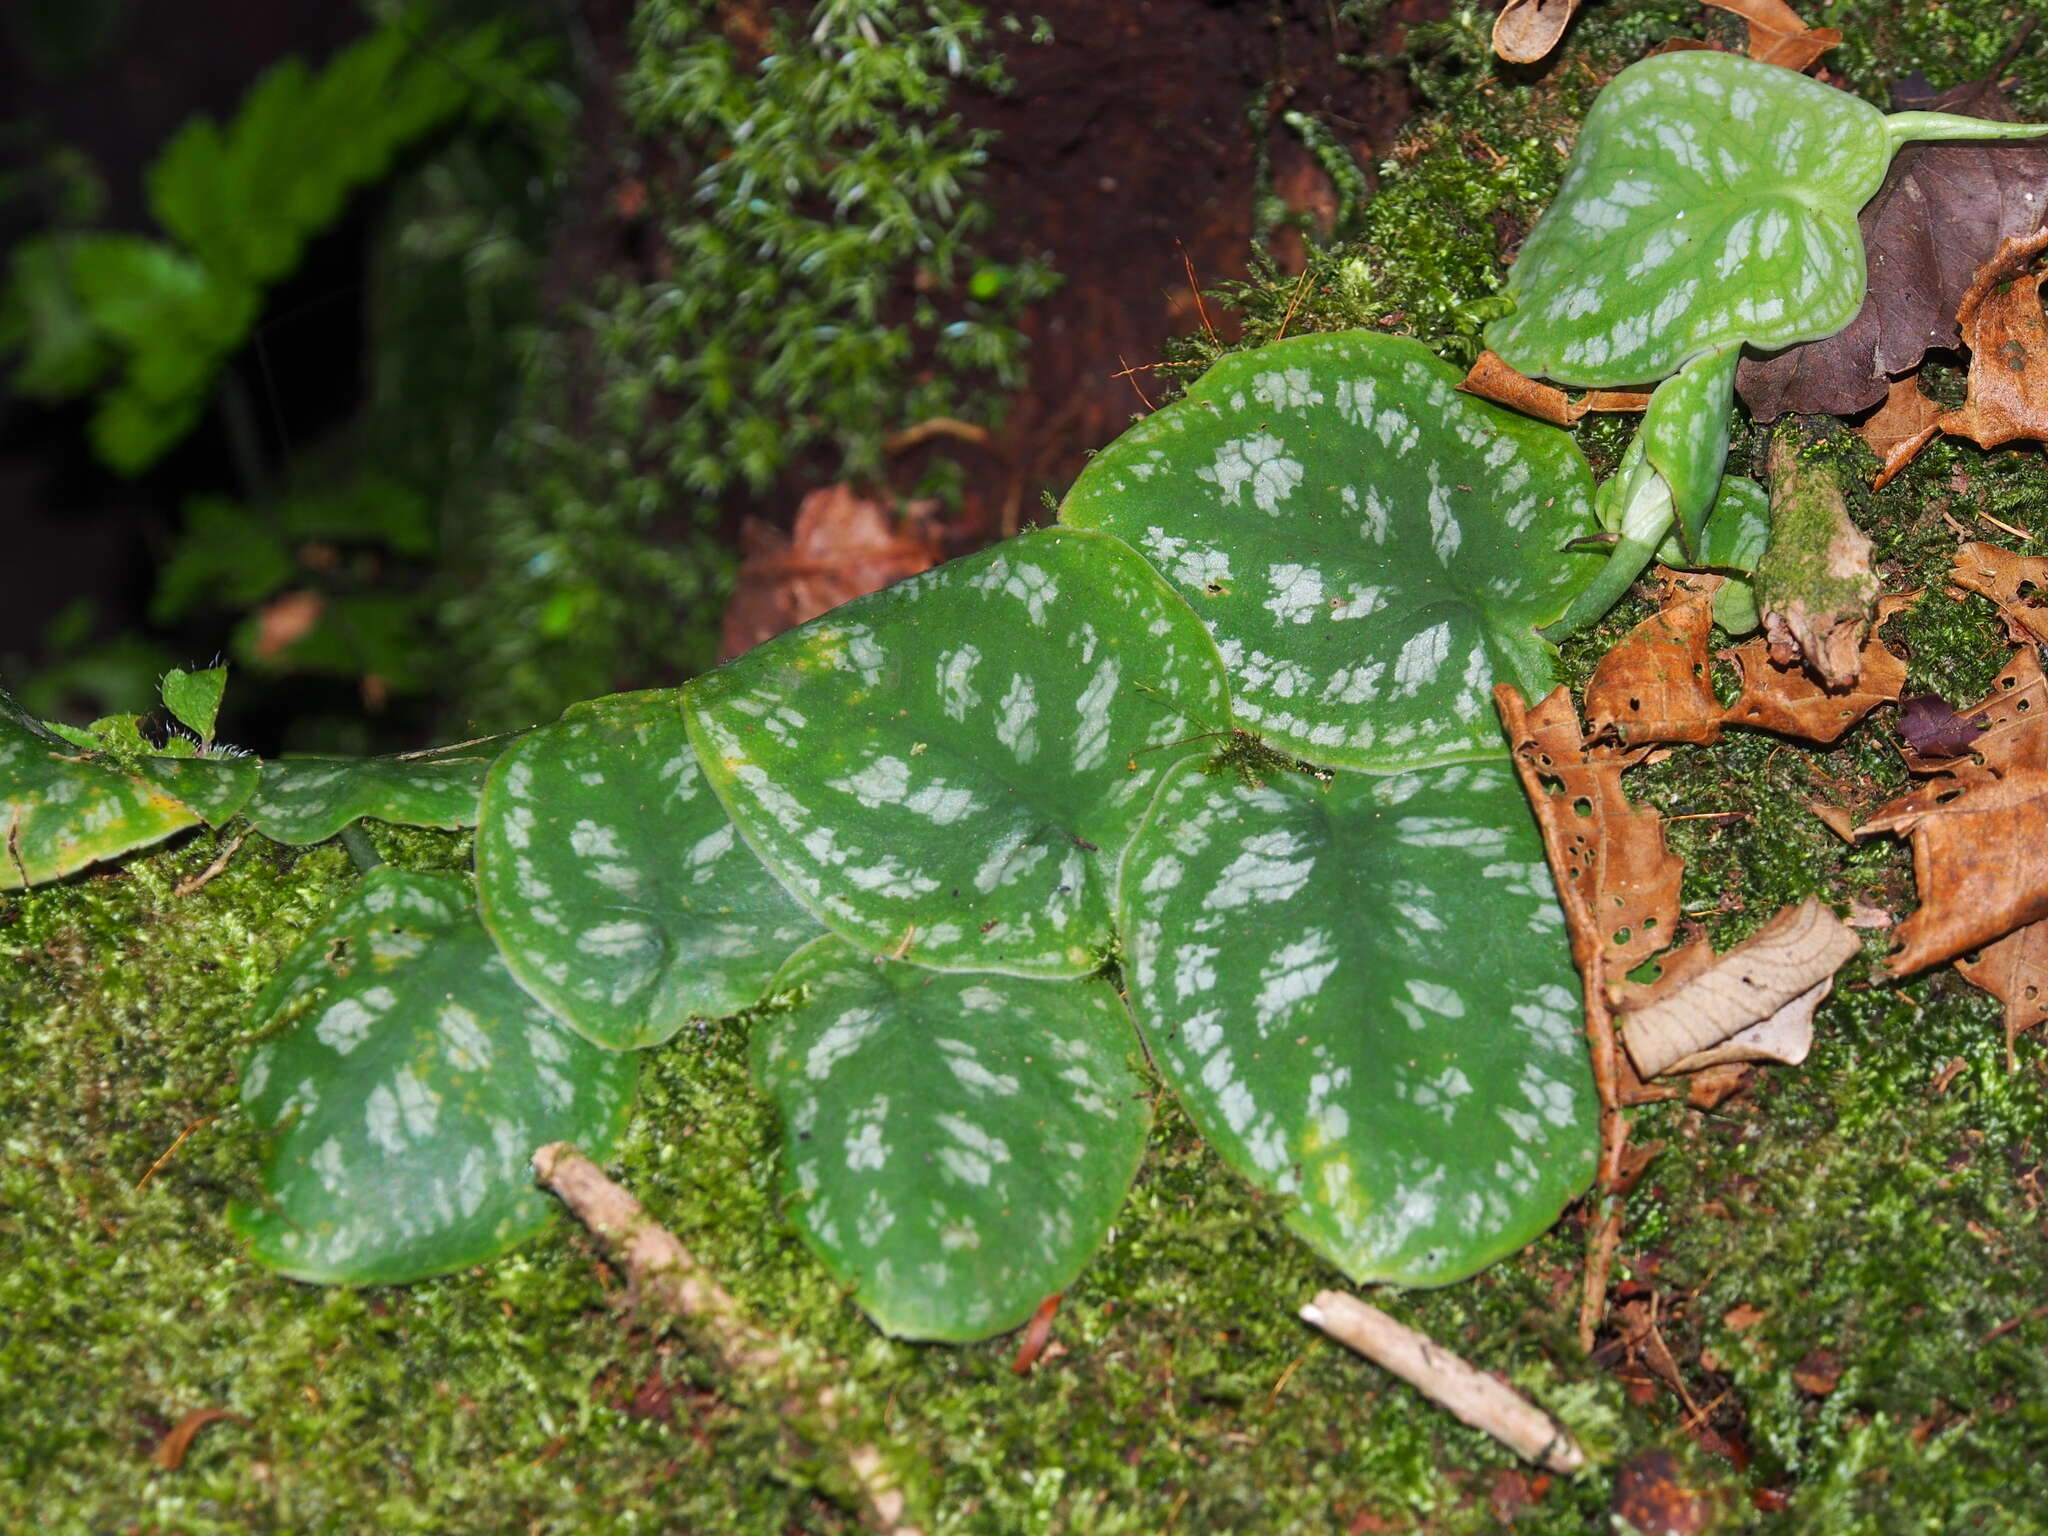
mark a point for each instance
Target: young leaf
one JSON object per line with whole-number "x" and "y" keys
{"x": 60, "y": 810}
{"x": 411, "y": 1086}
{"x": 1363, "y": 998}
{"x": 194, "y": 697}
{"x": 616, "y": 888}
{"x": 309, "y": 799}
{"x": 1711, "y": 201}
{"x": 947, "y": 769}
{"x": 1370, "y": 547}
{"x": 957, "y": 1145}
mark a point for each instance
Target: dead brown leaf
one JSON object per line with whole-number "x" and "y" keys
{"x": 1526, "y": 30}
{"x": 1754, "y": 1003}
{"x": 2011, "y": 735}
{"x": 2015, "y": 971}
{"x": 843, "y": 546}
{"x": 1777, "y": 35}
{"x": 171, "y": 1451}
{"x": 2017, "y": 583}
{"x": 1790, "y": 701}
{"x": 1655, "y": 685}
{"x": 2007, "y": 334}
{"x": 1900, "y": 428}
{"x": 1492, "y": 379}
{"x": 1979, "y": 861}
{"x": 286, "y": 620}
{"x": 1819, "y": 1373}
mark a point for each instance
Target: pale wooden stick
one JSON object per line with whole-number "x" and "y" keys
{"x": 668, "y": 1278}
{"x": 1468, "y": 1392}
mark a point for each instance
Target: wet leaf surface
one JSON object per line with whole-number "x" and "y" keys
{"x": 310, "y": 799}
{"x": 61, "y": 809}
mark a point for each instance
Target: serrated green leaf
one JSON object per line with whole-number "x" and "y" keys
{"x": 949, "y": 768}
{"x": 1363, "y": 995}
{"x": 1371, "y": 548}
{"x": 408, "y": 1092}
{"x": 957, "y": 1146}
{"x": 310, "y": 799}
{"x": 614, "y": 883}
{"x": 1711, "y": 201}
{"x": 61, "y": 810}
{"x": 194, "y": 697}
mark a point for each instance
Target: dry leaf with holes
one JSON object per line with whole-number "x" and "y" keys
{"x": 1791, "y": 702}
{"x": 2017, "y": 583}
{"x": 1777, "y": 35}
{"x": 1655, "y": 685}
{"x": 1492, "y": 379}
{"x": 1979, "y": 859}
{"x": 843, "y": 546}
{"x": 2015, "y": 971}
{"x": 1754, "y": 1003}
{"x": 2007, "y": 730}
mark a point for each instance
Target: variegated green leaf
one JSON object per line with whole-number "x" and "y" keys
{"x": 947, "y": 769}
{"x": 1371, "y": 548}
{"x": 412, "y": 1084}
{"x": 614, "y": 883}
{"x": 1364, "y": 997}
{"x": 216, "y": 787}
{"x": 61, "y": 809}
{"x": 1711, "y": 201}
{"x": 956, "y": 1146}
{"x": 310, "y": 799}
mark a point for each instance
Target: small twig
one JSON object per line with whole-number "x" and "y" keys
{"x": 1286, "y": 1376}
{"x": 1281, "y": 335}
{"x": 1599, "y": 1268}
{"x": 150, "y": 1173}
{"x": 937, "y": 426}
{"x": 2018, "y": 533}
{"x": 667, "y": 1278}
{"x": 1483, "y": 1401}
{"x": 192, "y": 883}
{"x": 2013, "y": 1322}
{"x": 1195, "y": 288}
{"x": 1132, "y": 374}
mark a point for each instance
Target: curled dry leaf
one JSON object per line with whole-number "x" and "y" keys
{"x": 1526, "y": 30}
{"x": 2003, "y": 326}
{"x": 1655, "y": 686}
{"x": 2015, "y": 971}
{"x": 843, "y": 546}
{"x": 1938, "y": 217}
{"x": 171, "y": 1451}
{"x": 2008, "y": 734}
{"x": 1777, "y": 35}
{"x": 2017, "y": 583}
{"x": 1979, "y": 861}
{"x": 1755, "y": 1003}
{"x": 1791, "y": 702}
{"x": 1900, "y": 428}
{"x": 1492, "y": 379}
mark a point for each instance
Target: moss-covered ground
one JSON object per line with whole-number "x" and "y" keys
{"x": 1846, "y": 1262}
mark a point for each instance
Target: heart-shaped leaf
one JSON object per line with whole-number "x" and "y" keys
{"x": 1363, "y": 995}
{"x": 1711, "y": 201}
{"x": 194, "y": 697}
{"x": 947, "y": 769}
{"x": 1371, "y": 548}
{"x": 408, "y": 1092}
{"x": 616, "y": 887}
{"x": 956, "y": 1146}
{"x": 61, "y": 810}
{"x": 310, "y": 799}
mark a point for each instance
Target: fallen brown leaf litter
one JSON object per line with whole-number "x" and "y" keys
{"x": 1526, "y": 30}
